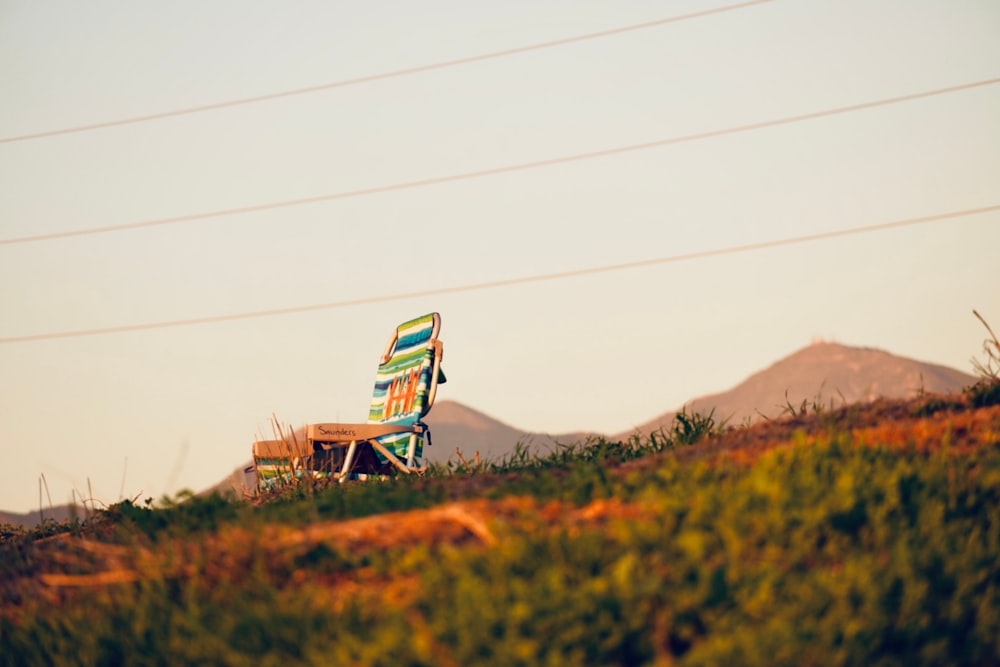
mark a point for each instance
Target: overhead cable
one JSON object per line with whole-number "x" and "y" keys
{"x": 494, "y": 171}
{"x": 392, "y": 74}
{"x": 506, "y": 282}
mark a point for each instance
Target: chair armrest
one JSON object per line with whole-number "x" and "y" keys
{"x": 356, "y": 432}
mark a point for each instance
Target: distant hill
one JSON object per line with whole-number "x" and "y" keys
{"x": 822, "y": 373}
{"x": 457, "y": 427}
{"x": 30, "y": 519}
{"x": 454, "y": 427}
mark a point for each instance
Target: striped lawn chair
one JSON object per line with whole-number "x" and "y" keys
{"x": 405, "y": 386}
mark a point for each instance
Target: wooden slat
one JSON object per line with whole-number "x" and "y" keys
{"x": 275, "y": 449}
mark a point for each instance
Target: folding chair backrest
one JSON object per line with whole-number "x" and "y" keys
{"x": 408, "y": 374}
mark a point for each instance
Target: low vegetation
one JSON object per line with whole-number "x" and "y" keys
{"x": 868, "y": 534}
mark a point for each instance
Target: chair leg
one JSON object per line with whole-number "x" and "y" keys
{"x": 348, "y": 461}
{"x": 411, "y": 452}
{"x": 390, "y": 456}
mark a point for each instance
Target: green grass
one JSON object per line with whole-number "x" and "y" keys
{"x": 825, "y": 551}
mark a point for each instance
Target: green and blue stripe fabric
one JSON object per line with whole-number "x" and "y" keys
{"x": 402, "y": 383}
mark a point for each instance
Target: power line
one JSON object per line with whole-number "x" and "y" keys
{"x": 507, "y": 282}
{"x": 494, "y": 171}
{"x": 392, "y": 74}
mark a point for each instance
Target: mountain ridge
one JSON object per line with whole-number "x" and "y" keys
{"x": 821, "y": 373}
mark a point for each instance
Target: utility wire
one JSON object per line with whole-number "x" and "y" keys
{"x": 468, "y": 175}
{"x": 392, "y": 74}
{"x": 507, "y": 282}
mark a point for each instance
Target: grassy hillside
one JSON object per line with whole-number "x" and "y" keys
{"x": 867, "y": 534}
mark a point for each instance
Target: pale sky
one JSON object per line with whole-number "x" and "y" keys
{"x": 149, "y": 412}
